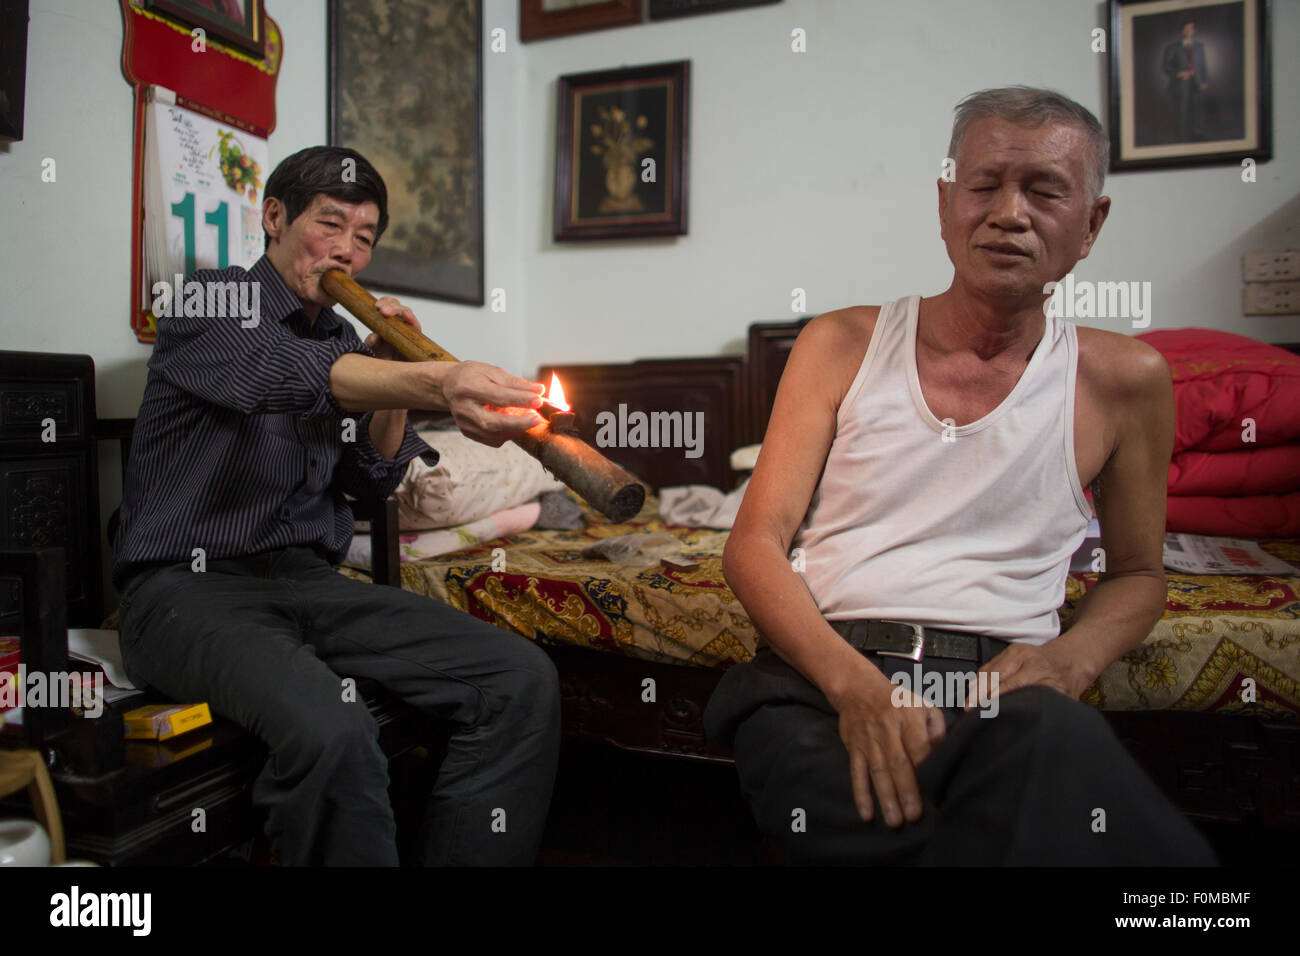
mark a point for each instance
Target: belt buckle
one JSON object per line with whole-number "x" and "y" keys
{"x": 918, "y": 643}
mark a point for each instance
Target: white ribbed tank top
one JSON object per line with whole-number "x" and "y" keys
{"x": 973, "y": 534}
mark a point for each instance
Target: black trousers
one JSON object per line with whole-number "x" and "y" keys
{"x": 268, "y": 640}
{"x": 1045, "y": 781}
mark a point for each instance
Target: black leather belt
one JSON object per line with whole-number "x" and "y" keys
{"x": 914, "y": 642}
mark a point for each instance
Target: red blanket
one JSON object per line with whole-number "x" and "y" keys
{"x": 1253, "y": 516}
{"x": 1220, "y": 380}
{"x": 1273, "y": 470}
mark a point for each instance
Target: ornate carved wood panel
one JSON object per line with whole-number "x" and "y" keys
{"x": 49, "y": 477}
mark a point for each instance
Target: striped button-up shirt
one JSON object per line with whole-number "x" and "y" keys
{"x": 239, "y": 447}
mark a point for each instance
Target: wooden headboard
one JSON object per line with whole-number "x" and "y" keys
{"x": 734, "y": 393}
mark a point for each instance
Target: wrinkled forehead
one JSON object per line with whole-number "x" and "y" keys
{"x": 993, "y": 143}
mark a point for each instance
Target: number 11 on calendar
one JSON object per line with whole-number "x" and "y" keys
{"x": 219, "y": 217}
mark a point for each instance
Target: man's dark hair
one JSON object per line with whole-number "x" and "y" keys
{"x": 308, "y": 173}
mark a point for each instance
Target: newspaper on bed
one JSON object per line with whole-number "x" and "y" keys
{"x": 1199, "y": 554}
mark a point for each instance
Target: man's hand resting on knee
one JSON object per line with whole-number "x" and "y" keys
{"x": 885, "y": 743}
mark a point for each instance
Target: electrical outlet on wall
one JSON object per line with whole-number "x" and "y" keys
{"x": 1277, "y": 266}
{"x": 1272, "y": 298}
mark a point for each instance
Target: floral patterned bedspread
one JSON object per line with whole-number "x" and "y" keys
{"x": 1216, "y": 632}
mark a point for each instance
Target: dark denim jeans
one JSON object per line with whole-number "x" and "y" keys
{"x": 267, "y": 641}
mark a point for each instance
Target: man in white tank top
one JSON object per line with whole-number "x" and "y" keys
{"x": 925, "y": 461}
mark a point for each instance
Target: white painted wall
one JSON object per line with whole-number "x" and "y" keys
{"x": 817, "y": 170}
{"x": 813, "y": 170}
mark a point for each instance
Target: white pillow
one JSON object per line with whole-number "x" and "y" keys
{"x": 744, "y": 459}
{"x": 470, "y": 481}
{"x": 417, "y": 546}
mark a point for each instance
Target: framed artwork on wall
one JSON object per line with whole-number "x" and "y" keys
{"x": 668, "y": 9}
{"x": 238, "y": 23}
{"x": 1190, "y": 82}
{"x": 406, "y": 91}
{"x": 13, "y": 67}
{"x": 621, "y": 159}
{"x": 543, "y": 19}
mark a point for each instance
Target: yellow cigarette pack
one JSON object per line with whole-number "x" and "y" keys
{"x": 163, "y": 721}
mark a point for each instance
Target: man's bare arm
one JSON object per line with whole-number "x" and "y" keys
{"x": 884, "y": 742}
{"x": 489, "y": 404}
{"x": 756, "y": 560}
{"x": 1130, "y": 594}
{"x": 1129, "y": 597}
{"x": 387, "y": 429}
{"x": 360, "y": 383}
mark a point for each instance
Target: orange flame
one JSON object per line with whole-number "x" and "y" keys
{"x": 555, "y": 394}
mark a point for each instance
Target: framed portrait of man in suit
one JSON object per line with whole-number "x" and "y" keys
{"x": 1190, "y": 82}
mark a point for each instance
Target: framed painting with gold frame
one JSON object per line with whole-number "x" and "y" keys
{"x": 621, "y": 159}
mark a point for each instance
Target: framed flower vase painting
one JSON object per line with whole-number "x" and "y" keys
{"x": 621, "y": 153}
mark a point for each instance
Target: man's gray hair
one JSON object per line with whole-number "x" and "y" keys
{"x": 1028, "y": 106}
